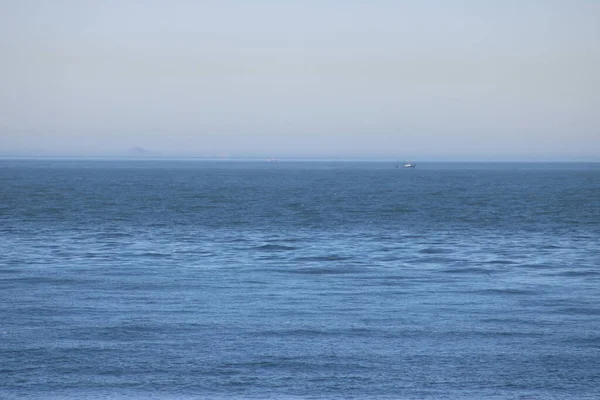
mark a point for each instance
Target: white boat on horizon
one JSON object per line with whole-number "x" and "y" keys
{"x": 406, "y": 164}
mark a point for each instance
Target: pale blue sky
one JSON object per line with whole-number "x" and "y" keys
{"x": 417, "y": 79}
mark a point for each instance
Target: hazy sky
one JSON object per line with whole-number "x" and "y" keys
{"x": 418, "y": 79}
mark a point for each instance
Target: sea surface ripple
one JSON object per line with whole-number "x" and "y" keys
{"x": 196, "y": 279}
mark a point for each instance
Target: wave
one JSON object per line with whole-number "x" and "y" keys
{"x": 275, "y": 247}
{"x": 467, "y": 270}
{"x": 506, "y": 291}
{"x": 436, "y": 250}
{"x": 583, "y": 273}
{"x": 322, "y": 270}
{"x": 333, "y": 257}
{"x": 536, "y": 266}
{"x": 500, "y": 262}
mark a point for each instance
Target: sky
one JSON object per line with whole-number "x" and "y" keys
{"x": 413, "y": 79}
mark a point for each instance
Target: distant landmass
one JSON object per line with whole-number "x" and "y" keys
{"x": 137, "y": 151}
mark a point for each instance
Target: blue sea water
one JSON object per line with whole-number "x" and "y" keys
{"x": 298, "y": 280}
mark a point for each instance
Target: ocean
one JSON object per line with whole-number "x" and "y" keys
{"x": 157, "y": 279}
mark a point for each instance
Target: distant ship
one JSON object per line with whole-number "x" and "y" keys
{"x": 406, "y": 164}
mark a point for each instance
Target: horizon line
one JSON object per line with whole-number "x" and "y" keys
{"x": 382, "y": 159}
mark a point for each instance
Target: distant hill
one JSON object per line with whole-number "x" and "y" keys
{"x": 137, "y": 151}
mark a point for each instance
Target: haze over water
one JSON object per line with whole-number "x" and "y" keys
{"x": 194, "y": 280}
{"x": 511, "y": 80}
